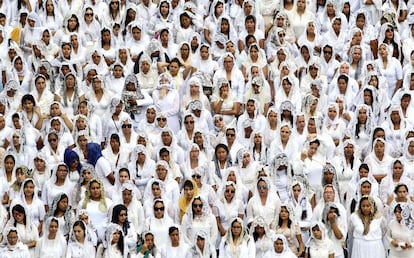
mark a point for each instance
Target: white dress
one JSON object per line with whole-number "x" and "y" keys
{"x": 369, "y": 245}
{"x": 399, "y": 232}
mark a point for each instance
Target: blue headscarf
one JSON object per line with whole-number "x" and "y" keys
{"x": 94, "y": 153}
{"x": 70, "y": 156}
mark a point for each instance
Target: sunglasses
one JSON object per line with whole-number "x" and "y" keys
{"x": 52, "y": 140}
{"x": 197, "y": 205}
{"x": 159, "y": 208}
{"x": 88, "y": 14}
{"x": 230, "y": 191}
{"x": 218, "y": 119}
{"x": 196, "y": 176}
{"x": 389, "y": 30}
{"x": 189, "y": 122}
{"x": 126, "y": 126}
{"x": 161, "y": 119}
{"x": 261, "y": 187}
{"x": 282, "y": 34}
{"x": 327, "y": 52}
{"x": 230, "y": 134}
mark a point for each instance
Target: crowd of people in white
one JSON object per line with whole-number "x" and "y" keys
{"x": 221, "y": 128}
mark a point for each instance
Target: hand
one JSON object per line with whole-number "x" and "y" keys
{"x": 332, "y": 217}
{"x": 303, "y": 155}
{"x": 394, "y": 243}
{"x": 144, "y": 248}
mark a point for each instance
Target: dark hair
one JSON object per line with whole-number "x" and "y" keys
{"x": 20, "y": 209}
{"x": 176, "y": 60}
{"x": 343, "y": 77}
{"x": 223, "y": 146}
{"x": 248, "y": 37}
{"x": 250, "y": 18}
{"x": 77, "y": 21}
{"x": 158, "y": 201}
{"x": 81, "y": 224}
{"x": 164, "y": 150}
{"x": 62, "y": 196}
{"x": 29, "y": 181}
{"x": 172, "y": 229}
{"x": 397, "y": 208}
{"x": 102, "y": 32}
{"x": 188, "y": 183}
{"x": 281, "y": 221}
{"x": 399, "y": 186}
{"x": 364, "y": 166}
{"x": 124, "y": 169}
{"x": 115, "y": 137}
{"x": 115, "y": 217}
{"x": 28, "y": 97}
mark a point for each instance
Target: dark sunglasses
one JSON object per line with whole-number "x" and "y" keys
{"x": 126, "y": 126}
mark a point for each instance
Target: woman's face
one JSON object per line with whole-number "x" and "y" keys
{"x": 262, "y": 188}
{"x": 18, "y": 217}
{"x": 159, "y": 209}
{"x": 362, "y": 116}
{"x": 63, "y": 204}
{"x": 106, "y": 37}
{"x": 18, "y": 65}
{"x": 117, "y": 72}
{"x": 367, "y": 97}
{"x": 115, "y": 237}
{"x": 285, "y": 133}
{"x": 164, "y": 9}
{"x": 174, "y": 67}
{"x": 87, "y": 175}
{"x": 397, "y": 170}
{"x": 278, "y": 246}
{"x": 224, "y": 26}
{"x": 28, "y": 189}
{"x": 366, "y": 188}
{"x": 126, "y": 196}
{"x": 53, "y": 228}
{"x": 53, "y": 140}
{"x": 95, "y": 191}
{"x": 236, "y": 229}
{"x": 70, "y": 82}
{"x": 365, "y": 207}
{"x": 79, "y": 233}
{"x": 204, "y": 53}
{"x": 287, "y": 86}
{"x": 284, "y": 214}
{"x": 123, "y": 216}
{"x": 383, "y": 51}
{"x": 221, "y": 154}
{"x": 402, "y": 193}
{"x": 379, "y": 148}
{"x": 356, "y": 56}
{"x": 254, "y": 53}
{"x": 123, "y": 177}
{"x": 316, "y": 231}
{"x": 40, "y": 164}
{"x": 332, "y": 113}
{"x": 185, "y": 51}
{"x": 229, "y": 192}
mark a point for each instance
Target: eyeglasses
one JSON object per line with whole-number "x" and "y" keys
{"x": 123, "y": 215}
{"x": 218, "y": 120}
{"x": 88, "y": 14}
{"x": 261, "y": 187}
{"x": 230, "y": 191}
{"x": 313, "y": 68}
{"x": 52, "y": 140}
{"x": 189, "y": 122}
{"x": 198, "y": 205}
{"x": 282, "y": 34}
{"x": 161, "y": 119}
{"x": 159, "y": 208}
{"x": 196, "y": 176}
{"x": 126, "y": 126}
{"x": 389, "y": 30}
{"x": 230, "y": 134}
